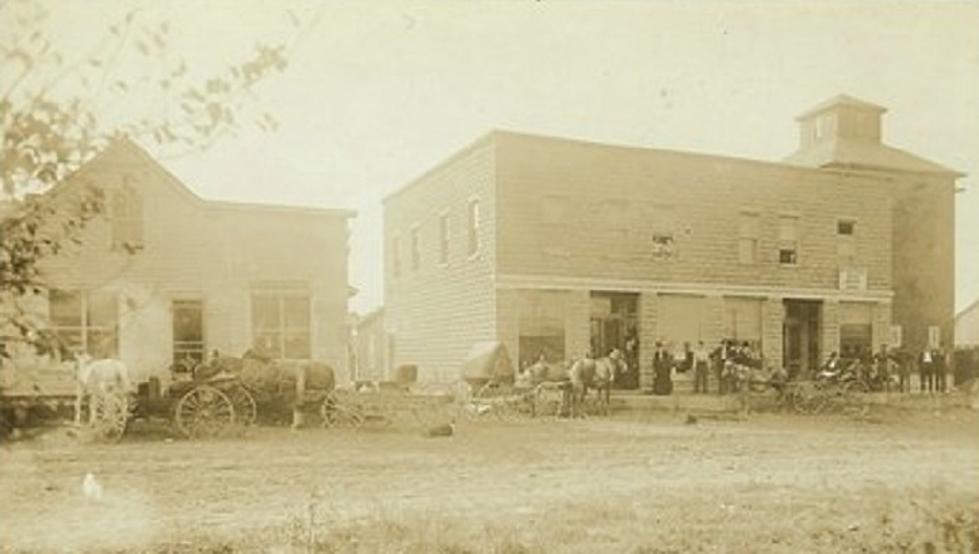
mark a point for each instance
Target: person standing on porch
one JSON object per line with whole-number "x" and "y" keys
{"x": 940, "y": 366}
{"x": 701, "y": 366}
{"x": 925, "y": 371}
{"x": 662, "y": 366}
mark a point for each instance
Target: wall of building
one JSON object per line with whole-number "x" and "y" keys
{"x": 216, "y": 252}
{"x": 924, "y": 258}
{"x": 436, "y": 313}
{"x": 618, "y": 197}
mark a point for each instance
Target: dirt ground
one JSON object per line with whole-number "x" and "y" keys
{"x": 639, "y": 484}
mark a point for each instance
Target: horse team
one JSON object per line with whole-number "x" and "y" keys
{"x": 579, "y": 376}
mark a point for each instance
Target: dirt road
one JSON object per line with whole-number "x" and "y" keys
{"x": 686, "y": 478}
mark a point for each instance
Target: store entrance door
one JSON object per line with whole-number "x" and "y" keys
{"x": 615, "y": 324}
{"x": 800, "y": 335}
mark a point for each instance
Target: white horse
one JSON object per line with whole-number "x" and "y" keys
{"x": 97, "y": 377}
{"x": 588, "y": 373}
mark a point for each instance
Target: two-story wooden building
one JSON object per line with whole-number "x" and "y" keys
{"x": 166, "y": 275}
{"x": 557, "y": 246}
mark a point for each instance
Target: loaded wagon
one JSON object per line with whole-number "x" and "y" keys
{"x": 209, "y": 399}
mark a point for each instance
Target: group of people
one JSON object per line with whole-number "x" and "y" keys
{"x": 723, "y": 362}
{"x": 891, "y": 369}
{"x": 722, "y": 368}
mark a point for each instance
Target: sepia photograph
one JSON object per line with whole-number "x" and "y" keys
{"x": 489, "y": 276}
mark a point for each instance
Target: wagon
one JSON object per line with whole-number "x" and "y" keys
{"x": 384, "y": 404}
{"x": 492, "y": 387}
{"x": 231, "y": 391}
{"x": 47, "y": 384}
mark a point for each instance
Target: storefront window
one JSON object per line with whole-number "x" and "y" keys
{"x": 856, "y": 330}
{"x": 541, "y": 326}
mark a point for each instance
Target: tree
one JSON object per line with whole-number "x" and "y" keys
{"x": 57, "y": 111}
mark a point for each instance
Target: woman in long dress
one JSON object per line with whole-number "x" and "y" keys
{"x": 662, "y": 368}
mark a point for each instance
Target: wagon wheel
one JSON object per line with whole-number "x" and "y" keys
{"x": 808, "y": 400}
{"x": 108, "y": 415}
{"x": 545, "y": 405}
{"x": 246, "y": 409}
{"x": 856, "y": 385}
{"x": 204, "y": 411}
{"x": 335, "y": 413}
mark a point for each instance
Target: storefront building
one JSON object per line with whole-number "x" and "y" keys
{"x": 557, "y": 246}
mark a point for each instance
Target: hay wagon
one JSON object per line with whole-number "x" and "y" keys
{"x": 211, "y": 399}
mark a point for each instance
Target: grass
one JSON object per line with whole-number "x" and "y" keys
{"x": 929, "y": 520}
{"x": 769, "y": 483}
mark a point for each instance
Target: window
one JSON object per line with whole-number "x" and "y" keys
{"x": 396, "y": 256}
{"x": 281, "y": 324}
{"x": 663, "y": 243}
{"x": 127, "y": 219}
{"x": 474, "y": 223}
{"x": 788, "y": 240}
{"x": 845, "y": 230}
{"x": 85, "y": 321}
{"x": 748, "y": 231}
{"x": 188, "y": 330}
{"x": 416, "y": 253}
{"x": 444, "y": 238}
{"x": 541, "y": 325}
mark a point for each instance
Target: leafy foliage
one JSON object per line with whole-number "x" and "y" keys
{"x": 59, "y": 109}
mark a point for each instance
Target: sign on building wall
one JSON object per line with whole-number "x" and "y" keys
{"x": 896, "y": 336}
{"x": 934, "y": 336}
{"x": 854, "y": 279}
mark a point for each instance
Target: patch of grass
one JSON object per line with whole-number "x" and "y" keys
{"x": 926, "y": 522}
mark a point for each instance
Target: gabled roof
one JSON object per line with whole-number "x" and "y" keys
{"x": 841, "y": 100}
{"x": 128, "y": 146}
{"x": 848, "y": 153}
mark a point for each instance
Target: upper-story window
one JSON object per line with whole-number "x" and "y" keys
{"x": 663, "y": 239}
{"x": 444, "y": 238}
{"x": 748, "y": 231}
{"x": 474, "y": 223}
{"x": 416, "y": 249}
{"x": 845, "y": 232}
{"x": 127, "y": 219}
{"x": 396, "y": 256}
{"x": 788, "y": 239}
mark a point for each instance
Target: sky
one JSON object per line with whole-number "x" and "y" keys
{"x": 378, "y": 92}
